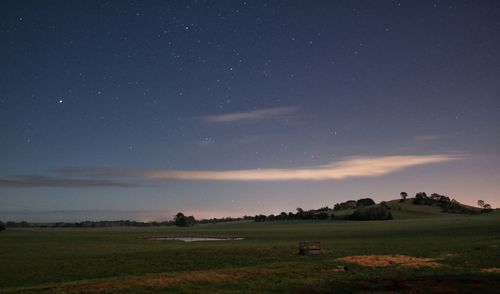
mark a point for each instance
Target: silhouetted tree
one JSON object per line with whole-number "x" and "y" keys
{"x": 2, "y": 226}
{"x": 180, "y": 220}
{"x": 421, "y": 198}
{"x": 365, "y": 202}
{"x": 282, "y": 216}
{"x": 184, "y": 221}
{"x": 487, "y": 206}
{"x": 480, "y": 203}
{"x": 300, "y": 213}
{"x": 190, "y": 221}
{"x": 403, "y": 196}
{"x": 322, "y": 215}
{"x": 371, "y": 213}
{"x": 349, "y": 204}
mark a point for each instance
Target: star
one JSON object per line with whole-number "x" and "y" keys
{"x": 60, "y": 101}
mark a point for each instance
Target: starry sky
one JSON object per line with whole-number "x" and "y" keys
{"x": 139, "y": 109}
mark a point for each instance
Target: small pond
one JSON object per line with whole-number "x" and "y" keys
{"x": 194, "y": 239}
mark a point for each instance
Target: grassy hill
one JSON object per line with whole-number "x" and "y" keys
{"x": 408, "y": 210}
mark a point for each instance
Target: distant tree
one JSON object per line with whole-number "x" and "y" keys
{"x": 403, "y": 196}
{"x": 2, "y": 226}
{"x": 371, "y": 213}
{"x": 322, "y": 215}
{"x": 184, "y": 221}
{"x": 480, "y": 203}
{"x": 260, "y": 218}
{"x": 300, "y": 213}
{"x": 180, "y": 219}
{"x": 365, "y": 202}
{"x": 308, "y": 214}
{"x": 487, "y": 206}
{"x": 421, "y": 198}
{"x": 190, "y": 221}
{"x": 349, "y": 204}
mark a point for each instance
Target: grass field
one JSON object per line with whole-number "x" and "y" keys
{"x": 122, "y": 260}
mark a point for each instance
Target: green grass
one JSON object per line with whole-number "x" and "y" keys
{"x": 41, "y": 260}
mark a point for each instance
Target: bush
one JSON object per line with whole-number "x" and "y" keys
{"x": 322, "y": 215}
{"x": 422, "y": 199}
{"x": 365, "y": 202}
{"x": 456, "y": 207}
{"x": 371, "y": 213}
{"x": 2, "y": 226}
{"x": 349, "y": 204}
{"x": 184, "y": 221}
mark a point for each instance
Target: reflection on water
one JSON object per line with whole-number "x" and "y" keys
{"x": 194, "y": 239}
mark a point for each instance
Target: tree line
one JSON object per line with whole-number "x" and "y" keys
{"x": 362, "y": 209}
{"x": 446, "y": 203}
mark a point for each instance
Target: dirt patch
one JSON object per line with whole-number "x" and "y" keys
{"x": 134, "y": 282}
{"x": 193, "y": 239}
{"x": 391, "y": 260}
{"x": 491, "y": 270}
{"x": 333, "y": 270}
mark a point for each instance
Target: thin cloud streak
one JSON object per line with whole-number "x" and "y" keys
{"x": 254, "y": 115}
{"x": 349, "y": 167}
{"x": 57, "y": 182}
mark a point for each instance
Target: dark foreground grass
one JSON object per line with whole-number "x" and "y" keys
{"x": 123, "y": 260}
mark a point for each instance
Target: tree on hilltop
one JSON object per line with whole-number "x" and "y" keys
{"x": 403, "y": 196}
{"x": 485, "y": 206}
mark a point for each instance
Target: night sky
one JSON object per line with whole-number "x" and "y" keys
{"x": 139, "y": 109}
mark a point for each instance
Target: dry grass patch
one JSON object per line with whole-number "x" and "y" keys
{"x": 491, "y": 270}
{"x": 391, "y": 260}
{"x": 135, "y": 282}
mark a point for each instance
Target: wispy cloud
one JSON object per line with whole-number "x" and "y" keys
{"x": 254, "y": 115}
{"x": 346, "y": 168}
{"x": 427, "y": 138}
{"x": 349, "y": 167}
{"x": 57, "y": 182}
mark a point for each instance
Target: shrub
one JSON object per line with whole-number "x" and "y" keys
{"x": 371, "y": 213}
{"x": 322, "y": 215}
{"x": 349, "y": 204}
{"x": 365, "y": 202}
{"x": 184, "y": 221}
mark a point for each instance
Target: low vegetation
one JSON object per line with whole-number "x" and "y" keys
{"x": 358, "y": 210}
{"x": 422, "y": 248}
{"x": 374, "y": 212}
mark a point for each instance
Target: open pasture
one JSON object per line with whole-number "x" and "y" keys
{"x": 125, "y": 260}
